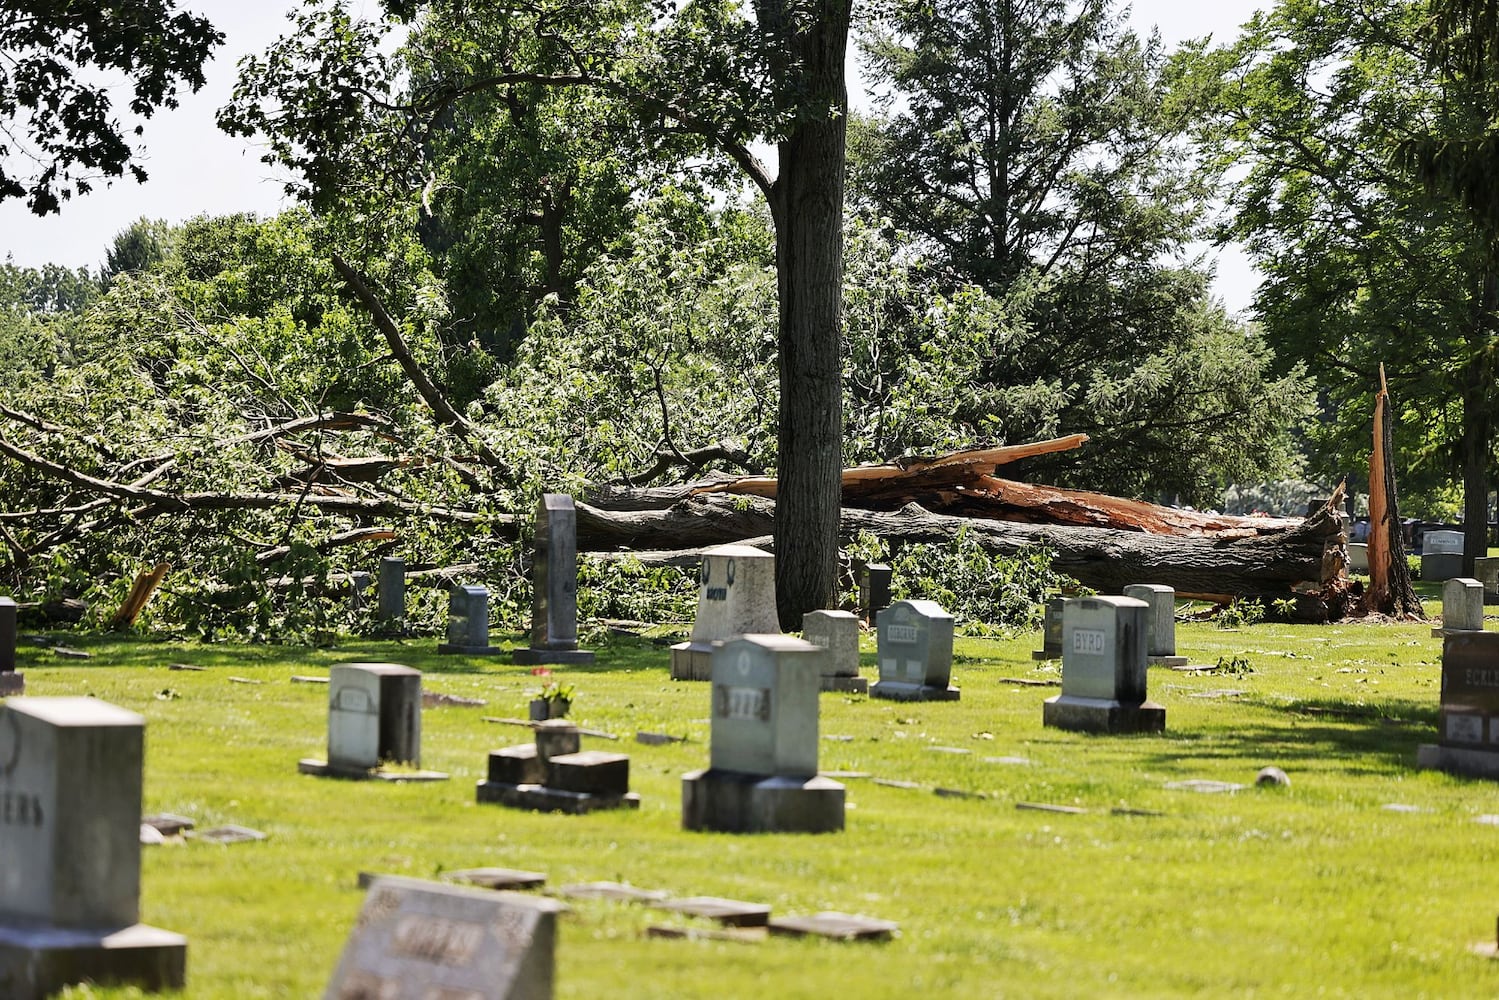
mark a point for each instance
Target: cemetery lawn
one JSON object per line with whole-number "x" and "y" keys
{"x": 1321, "y": 888}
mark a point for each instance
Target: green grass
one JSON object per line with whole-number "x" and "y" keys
{"x": 1314, "y": 889}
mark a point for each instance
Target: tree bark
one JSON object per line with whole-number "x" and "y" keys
{"x": 806, "y": 203}
{"x": 1478, "y": 421}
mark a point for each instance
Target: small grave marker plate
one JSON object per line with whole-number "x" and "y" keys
{"x": 230, "y": 834}
{"x": 617, "y": 892}
{"x": 729, "y": 912}
{"x": 497, "y": 878}
{"x": 839, "y": 926}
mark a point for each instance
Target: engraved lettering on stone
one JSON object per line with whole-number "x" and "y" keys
{"x": 433, "y": 939}
{"x": 20, "y": 809}
{"x": 10, "y": 746}
{"x": 749, "y": 704}
{"x": 902, "y": 633}
{"x": 363, "y": 986}
{"x": 1477, "y": 677}
{"x": 1465, "y": 728}
{"x": 1088, "y": 640}
{"x": 378, "y": 909}
{"x": 351, "y": 699}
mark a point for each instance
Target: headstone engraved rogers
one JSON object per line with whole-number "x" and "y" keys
{"x": 554, "y": 582}
{"x": 1103, "y": 669}
{"x": 374, "y": 719}
{"x": 736, "y": 595}
{"x": 70, "y": 852}
{"x": 914, "y": 642}
{"x": 838, "y": 633}
{"x": 468, "y": 622}
{"x": 1468, "y": 723}
{"x": 418, "y": 940}
{"x": 762, "y": 775}
{"x": 12, "y": 681}
{"x": 1160, "y": 623}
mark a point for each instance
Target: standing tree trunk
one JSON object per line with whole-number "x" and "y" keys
{"x": 1390, "y": 591}
{"x": 1478, "y": 419}
{"x": 806, "y": 205}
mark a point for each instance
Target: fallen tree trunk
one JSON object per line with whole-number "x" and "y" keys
{"x": 1102, "y": 558}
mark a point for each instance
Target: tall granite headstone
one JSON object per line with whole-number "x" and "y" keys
{"x": 838, "y": 633}
{"x": 418, "y": 940}
{"x": 762, "y": 774}
{"x": 1051, "y": 630}
{"x": 468, "y": 622}
{"x": 1160, "y": 623}
{"x": 1441, "y": 555}
{"x": 736, "y": 595}
{"x": 12, "y": 681}
{"x": 874, "y": 590}
{"x": 554, "y": 586}
{"x": 70, "y": 862}
{"x": 1462, "y": 606}
{"x": 915, "y": 653}
{"x": 374, "y": 719}
{"x": 1103, "y": 669}
{"x": 1468, "y": 724}
{"x": 392, "y": 590}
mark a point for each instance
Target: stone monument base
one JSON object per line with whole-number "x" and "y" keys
{"x": 1458, "y": 760}
{"x": 731, "y": 802}
{"x": 692, "y": 661}
{"x": 531, "y": 657}
{"x": 1166, "y": 661}
{"x": 323, "y": 769}
{"x": 544, "y": 799}
{"x": 12, "y": 682}
{"x": 903, "y": 691}
{"x": 1438, "y": 632}
{"x": 850, "y": 685}
{"x": 1102, "y": 715}
{"x": 37, "y": 962}
{"x": 451, "y": 648}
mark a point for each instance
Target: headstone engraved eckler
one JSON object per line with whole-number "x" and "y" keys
{"x": 391, "y": 591}
{"x": 1051, "y": 631}
{"x": 1462, "y": 606}
{"x": 418, "y": 940}
{"x": 838, "y": 633}
{"x": 374, "y": 719}
{"x": 468, "y": 622}
{"x": 1468, "y": 724}
{"x": 1103, "y": 669}
{"x": 915, "y": 653}
{"x": 762, "y": 774}
{"x": 554, "y": 585}
{"x": 1441, "y": 555}
{"x": 70, "y": 852}
{"x": 12, "y": 681}
{"x": 736, "y": 595}
{"x": 1160, "y": 623}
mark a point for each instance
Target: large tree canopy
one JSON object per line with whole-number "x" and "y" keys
{"x": 59, "y": 63}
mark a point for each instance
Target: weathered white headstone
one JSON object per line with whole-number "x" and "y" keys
{"x": 468, "y": 622}
{"x": 418, "y": 940}
{"x": 1103, "y": 669}
{"x": 1160, "y": 622}
{"x": 70, "y": 816}
{"x": 12, "y": 681}
{"x": 374, "y": 718}
{"x": 1462, "y": 606}
{"x": 914, "y": 641}
{"x": 554, "y": 586}
{"x": 838, "y": 633}
{"x": 736, "y": 595}
{"x": 763, "y": 754}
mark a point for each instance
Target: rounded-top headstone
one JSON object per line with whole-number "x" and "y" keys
{"x": 736, "y": 593}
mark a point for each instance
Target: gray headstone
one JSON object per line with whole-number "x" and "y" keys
{"x": 1358, "y": 557}
{"x": 874, "y": 590}
{"x": 1462, "y": 605}
{"x": 374, "y": 715}
{"x": 1105, "y": 652}
{"x": 915, "y": 644}
{"x": 1051, "y": 630}
{"x": 418, "y": 940}
{"x": 736, "y": 594}
{"x": 392, "y": 589}
{"x": 1436, "y": 542}
{"x": 358, "y": 584}
{"x": 765, "y": 705}
{"x": 1486, "y": 572}
{"x": 1160, "y": 618}
{"x": 468, "y": 621}
{"x": 838, "y": 633}
{"x": 554, "y": 604}
{"x": 7, "y": 635}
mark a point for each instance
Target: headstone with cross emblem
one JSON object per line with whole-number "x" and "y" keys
{"x": 70, "y": 861}
{"x": 736, "y": 595}
{"x": 763, "y": 754}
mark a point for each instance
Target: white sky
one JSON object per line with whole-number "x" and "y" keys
{"x": 196, "y": 169}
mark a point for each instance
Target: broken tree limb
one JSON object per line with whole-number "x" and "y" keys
{"x": 1390, "y": 591}
{"x": 141, "y": 590}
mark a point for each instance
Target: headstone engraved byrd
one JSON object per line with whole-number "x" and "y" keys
{"x": 468, "y": 622}
{"x": 1468, "y": 724}
{"x": 554, "y": 583}
{"x": 392, "y": 590}
{"x": 915, "y": 653}
{"x": 418, "y": 940}
{"x": 762, "y": 775}
{"x": 1051, "y": 631}
{"x": 12, "y": 681}
{"x": 70, "y": 852}
{"x": 838, "y": 633}
{"x": 1441, "y": 555}
{"x": 374, "y": 718}
{"x": 1462, "y": 606}
{"x": 555, "y": 774}
{"x": 736, "y": 595}
{"x": 1160, "y": 623}
{"x": 1103, "y": 669}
